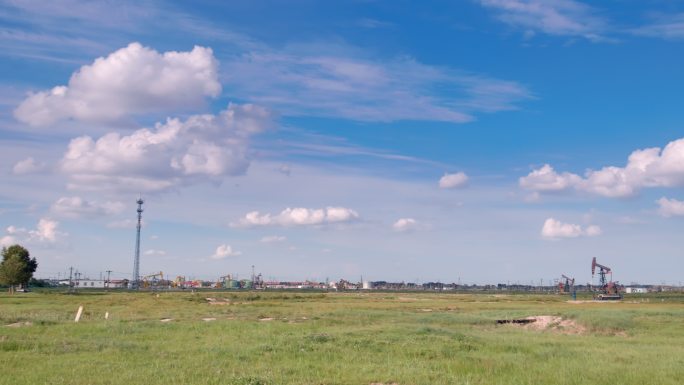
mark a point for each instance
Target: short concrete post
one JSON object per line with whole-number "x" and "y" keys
{"x": 107, "y": 315}
{"x": 78, "y": 314}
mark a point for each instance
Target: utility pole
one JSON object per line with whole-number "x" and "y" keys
{"x": 109, "y": 272}
{"x": 71, "y": 283}
{"x": 76, "y": 274}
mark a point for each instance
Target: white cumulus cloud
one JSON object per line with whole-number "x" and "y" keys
{"x": 454, "y": 180}
{"x": 555, "y": 229}
{"x": 46, "y": 231}
{"x": 28, "y": 166}
{"x": 172, "y": 153}
{"x": 405, "y": 224}
{"x": 299, "y": 216}
{"x": 77, "y": 207}
{"x": 546, "y": 179}
{"x": 651, "y": 167}
{"x": 670, "y": 207}
{"x": 7, "y": 241}
{"x": 132, "y": 80}
{"x": 224, "y": 251}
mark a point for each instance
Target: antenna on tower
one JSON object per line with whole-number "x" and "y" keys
{"x": 135, "y": 283}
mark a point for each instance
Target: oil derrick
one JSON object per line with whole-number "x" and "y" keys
{"x": 608, "y": 290}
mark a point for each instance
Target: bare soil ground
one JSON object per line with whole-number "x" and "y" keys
{"x": 553, "y": 323}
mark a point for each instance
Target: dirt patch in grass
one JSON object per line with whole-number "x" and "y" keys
{"x": 19, "y": 324}
{"x": 218, "y": 301}
{"x": 408, "y": 299}
{"x": 552, "y": 323}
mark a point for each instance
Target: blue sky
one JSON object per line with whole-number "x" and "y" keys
{"x": 480, "y": 141}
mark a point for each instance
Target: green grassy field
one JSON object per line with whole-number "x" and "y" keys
{"x": 336, "y": 338}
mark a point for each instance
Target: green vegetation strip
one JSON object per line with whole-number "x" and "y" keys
{"x": 335, "y": 338}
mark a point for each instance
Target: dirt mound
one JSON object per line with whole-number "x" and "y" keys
{"x": 551, "y": 323}
{"x": 20, "y": 324}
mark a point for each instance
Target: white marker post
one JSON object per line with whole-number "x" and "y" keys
{"x": 78, "y": 314}
{"x": 106, "y": 315}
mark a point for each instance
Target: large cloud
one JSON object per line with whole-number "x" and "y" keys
{"x": 175, "y": 152}
{"x": 555, "y": 229}
{"x": 132, "y": 80}
{"x": 299, "y": 216}
{"x": 651, "y": 167}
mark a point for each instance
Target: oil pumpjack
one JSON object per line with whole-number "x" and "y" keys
{"x": 608, "y": 290}
{"x": 567, "y": 285}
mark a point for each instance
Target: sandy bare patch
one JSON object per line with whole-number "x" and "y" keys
{"x": 556, "y": 324}
{"x": 266, "y": 319}
{"x": 208, "y": 319}
{"x": 20, "y": 324}
{"x": 218, "y": 301}
{"x": 425, "y": 310}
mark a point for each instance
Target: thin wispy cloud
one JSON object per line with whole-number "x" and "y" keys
{"x": 307, "y": 82}
{"x": 669, "y": 27}
{"x": 552, "y": 17}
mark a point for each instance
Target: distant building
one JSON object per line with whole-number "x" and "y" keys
{"x": 118, "y": 284}
{"x": 636, "y": 290}
{"x": 90, "y": 283}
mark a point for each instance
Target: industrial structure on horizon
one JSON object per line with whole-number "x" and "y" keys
{"x": 135, "y": 281}
{"x": 606, "y": 290}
